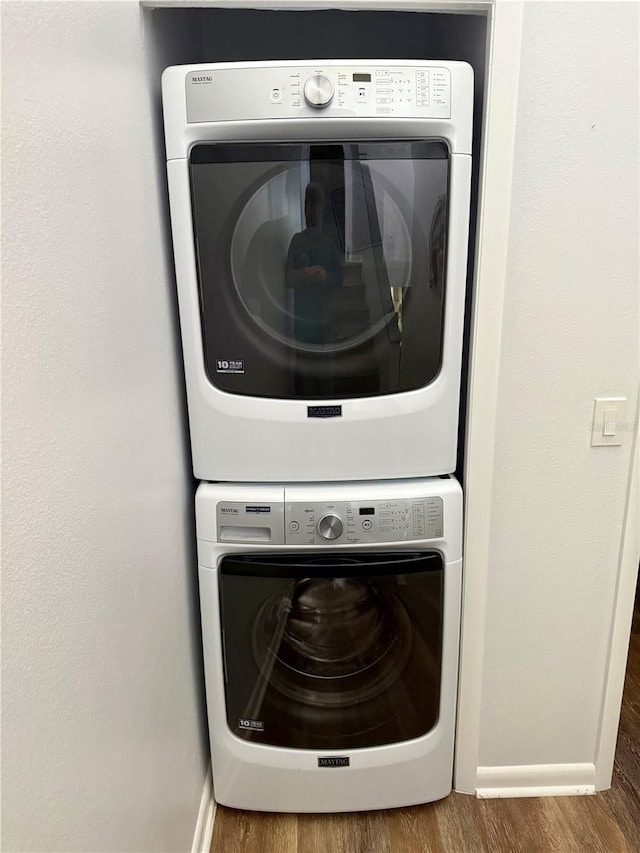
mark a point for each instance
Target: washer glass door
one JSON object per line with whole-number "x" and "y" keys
{"x": 332, "y": 652}
{"x": 321, "y": 267}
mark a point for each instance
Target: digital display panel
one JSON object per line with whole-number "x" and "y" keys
{"x": 367, "y": 510}
{"x": 362, "y": 78}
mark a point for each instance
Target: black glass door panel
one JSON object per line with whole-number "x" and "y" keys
{"x": 321, "y": 267}
{"x": 338, "y": 652}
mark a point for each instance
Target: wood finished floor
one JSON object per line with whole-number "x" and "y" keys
{"x": 606, "y": 822}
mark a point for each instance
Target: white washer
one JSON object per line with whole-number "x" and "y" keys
{"x": 320, "y": 216}
{"x": 330, "y": 625}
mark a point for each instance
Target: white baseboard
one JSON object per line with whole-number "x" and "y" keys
{"x": 206, "y": 815}
{"x": 536, "y": 780}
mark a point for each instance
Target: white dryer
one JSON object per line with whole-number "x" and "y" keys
{"x": 330, "y": 626}
{"x": 320, "y": 224}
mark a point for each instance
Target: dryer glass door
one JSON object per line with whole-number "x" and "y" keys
{"x": 321, "y": 267}
{"x": 332, "y": 652}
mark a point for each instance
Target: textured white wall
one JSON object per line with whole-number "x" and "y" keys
{"x": 570, "y": 334}
{"x": 103, "y": 730}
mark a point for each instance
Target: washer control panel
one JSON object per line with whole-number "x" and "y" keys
{"x": 336, "y": 523}
{"x": 242, "y": 94}
{"x": 363, "y": 522}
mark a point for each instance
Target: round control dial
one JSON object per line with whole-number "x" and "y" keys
{"x": 330, "y": 526}
{"x": 318, "y": 91}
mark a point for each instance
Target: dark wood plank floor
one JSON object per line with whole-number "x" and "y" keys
{"x": 606, "y": 822}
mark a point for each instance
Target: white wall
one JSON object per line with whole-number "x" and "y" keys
{"x": 570, "y": 334}
{"x": 103, "y": 725}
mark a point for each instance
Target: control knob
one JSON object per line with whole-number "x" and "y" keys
{"x": 318, "y": 91}
{"x": 330, "y": 526}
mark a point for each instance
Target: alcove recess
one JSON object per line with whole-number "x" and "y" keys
{"x": 178, "y": 34}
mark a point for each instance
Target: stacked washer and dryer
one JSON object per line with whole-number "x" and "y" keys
{"x": 320, "y": 218}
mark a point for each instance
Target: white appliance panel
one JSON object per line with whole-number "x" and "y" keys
{"x": 237, "y": 437}
{"x": 255, "y": 776}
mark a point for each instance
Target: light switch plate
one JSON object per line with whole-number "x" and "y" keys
{"x": 607, "y": 428}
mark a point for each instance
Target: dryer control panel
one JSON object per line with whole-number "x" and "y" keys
{"x": 331, "y": 523}
{"x": 245, "y": 94}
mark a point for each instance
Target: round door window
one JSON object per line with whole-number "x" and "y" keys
{"x": 322, "y": 265}
{"x": 332, "y": 642}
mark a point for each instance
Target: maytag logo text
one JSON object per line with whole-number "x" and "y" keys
{"x": 334, "y": 761}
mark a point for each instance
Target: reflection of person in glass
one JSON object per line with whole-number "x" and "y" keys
{"x": 314, "y": 269}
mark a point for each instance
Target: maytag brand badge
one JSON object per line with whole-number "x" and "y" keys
{"x": 334, "y": 761}
{"x": 229, "y": 365}
{"x": 324, "y": 411}
{"x": 201, "y": 79}
{"x": 250, "y": 725}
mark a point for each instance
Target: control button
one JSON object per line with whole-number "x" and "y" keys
{"x": 367, "y": 524}
{"x": 294, "y": 526}
{"x": 318, "y": 91}
{"x": 276, "y": 95}
{"x": 383, "y": 100}
{"x": 361, "y": 94}
{"x": 330, "y": 526}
